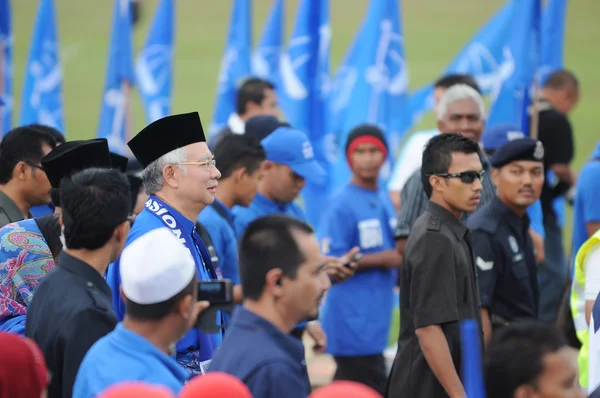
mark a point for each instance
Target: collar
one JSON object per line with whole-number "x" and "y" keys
{"x": 459, "y": 229}
{"x": 84, "y": 270}
{"x": 269, "y": 206}
{"x": 186, "y": 225}
{"x": 10, "y": 207}
{"x": 226, "y": 209}
{"x": 506, "y": 213}
{"x": 249, "y": 320}
{"x": 236, "y": 124}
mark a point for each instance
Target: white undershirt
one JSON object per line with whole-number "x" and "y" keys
{"x": 591, "y": 265}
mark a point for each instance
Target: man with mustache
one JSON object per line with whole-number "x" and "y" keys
{"x": 502, "y": 248}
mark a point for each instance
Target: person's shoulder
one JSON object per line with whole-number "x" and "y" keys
{"x": 210, "y": 218}
{"x": 589, "y": 173}
{"x": 484, "y": 219}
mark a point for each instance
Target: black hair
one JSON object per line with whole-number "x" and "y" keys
{"x": 268, "y": 243}
{"x": 448, "y": 81}
{"x": 561, "y": 79}
{"x": 22, "y": 144}
{"x": 50, "y": 229}
{"x": 515, "y": 356}
{"x": 94, "y": 203}
{"x": 235, "y": 151}
{"x": 158, "y": 311}
{"x": 58, "y": 136}
{"x": 252, "y": 90}
{"x": 437, "y": 156}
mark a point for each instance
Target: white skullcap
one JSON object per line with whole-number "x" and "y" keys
{"x": 155, "y": 267}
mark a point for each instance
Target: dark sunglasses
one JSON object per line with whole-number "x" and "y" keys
{"x": 468, "y": 177}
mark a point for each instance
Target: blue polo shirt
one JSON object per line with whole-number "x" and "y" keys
{"x": 123, "y": 355}
{"x": 223, "y": 236}
{"x": 194, "y": 340}
{"x": 357, "y": 313}
{"x": 262, "y": 206}
{"x": 586, "y": 206}
{"x": 270, "y": 362}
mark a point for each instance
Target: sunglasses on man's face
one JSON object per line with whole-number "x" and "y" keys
{"x": 467, "y": 177}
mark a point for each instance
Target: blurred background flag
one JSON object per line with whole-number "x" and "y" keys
{"x": 6, "y": 43}
{"x": 115, "y": 114}
{"x": 553, "y": 37}
{"x": 522, "y": 50}
{"x": 303, "y": 89}
{"x": 235, "y": 64}
{"x": 265, "y": 58}
{"x": 42, "y": 100}
{"x": 472, "y": 373}
{"x": 482, "y": 57}
{"x": 371, "y": 85}
{"x": 154, "y": 65}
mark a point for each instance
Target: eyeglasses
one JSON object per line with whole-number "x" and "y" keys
{"x": 467, "y": 177}
{"x": 208, "y": 164}
{"x": 131, "y": 218}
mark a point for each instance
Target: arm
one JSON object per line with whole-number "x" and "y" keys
{"x": 486, "y": 321}
{"x": 388, "y": 259}
{"x": 591, "y": 265}
{"x": 89, "y": 327}
{"x": 538, "y": 245}
{"x": 437, "y": 353}
{"x": 564, "y": 173}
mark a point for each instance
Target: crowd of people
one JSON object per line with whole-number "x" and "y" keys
{"x": 103, "y": 258}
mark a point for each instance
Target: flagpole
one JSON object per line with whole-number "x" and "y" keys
{"x": 126, "y": 89}
{"x": 535, "y": 111}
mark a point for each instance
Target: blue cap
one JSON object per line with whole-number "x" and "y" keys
{"x": 292, "y": 148}
{"x": 498, "y": 135}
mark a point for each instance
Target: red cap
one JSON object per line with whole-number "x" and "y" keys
{"x": 23, "y": 371}
{"x": 136, "y": 389}
{"x": 346, "y": 389}
{"x": 215, "y": 385}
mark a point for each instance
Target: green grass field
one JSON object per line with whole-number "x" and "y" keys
{"x": 434, "y": 31}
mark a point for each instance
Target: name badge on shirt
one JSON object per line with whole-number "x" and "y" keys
{"x": 370, "y": 233}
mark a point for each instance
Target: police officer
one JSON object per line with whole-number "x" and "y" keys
{"x": 502, "y": 247}
{"x": 72, "y": 307}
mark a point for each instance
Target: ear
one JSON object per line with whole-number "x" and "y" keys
{"x": 524, "y": 391}
{"x": 240, "y": 174}
{"x": 274, "y": 282}
{"x": 122, "y": 294}
{"x": 440, "y": 125}
{"x": 184, "y": 308}
{"x": 435, "y": 182}
{"x": 20, "y": 171}
{"x": 169, "y": 175}
{"x": 122, "y": 231}
{"x": 495, "y": 176}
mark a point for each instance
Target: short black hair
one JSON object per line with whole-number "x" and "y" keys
{"x": 515, "y": 356}
{"x": 94, "y": 203}
{"x": 437, "y": 156}
{"x": 58, "y": 136}
{"x": 448, "y": 81}
{"x": 268, "y": 243}
{"x": 22, "y": 144}
{"x": 561, "y": 79}
{"x": 234, "y": 151}
{"x": 252, "y": 90}
{"x": 158, "y": 311}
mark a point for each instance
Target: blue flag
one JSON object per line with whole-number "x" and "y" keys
{"x": 114, "y": 117}
{"x": 472, "y": 371}
{"x": 553, "y": 37}
{"x": 303, "y": 89}
{"x": 235, "y": 64}
{"x": 523, "y": 49}
{"x": 265, "y": 58}
{"x": 6, "y": 43}
{"x": 154, "y": 66}
{"x": 42, "y": 94}
{"x": 371, "y": 85}
{"x": 482, "y": 57}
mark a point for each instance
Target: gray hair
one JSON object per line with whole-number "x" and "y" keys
{"x": 456, "y": 93}
{"x": 152, "y": 176}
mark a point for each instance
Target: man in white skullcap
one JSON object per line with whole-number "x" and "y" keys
{"x": 158, "y": 284}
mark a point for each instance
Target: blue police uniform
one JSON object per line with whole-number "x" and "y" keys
{"x": 123, "y": 355}
{"x": 270, "y": 362}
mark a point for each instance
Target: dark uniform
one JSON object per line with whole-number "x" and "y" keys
{"x": 506, "y": 266}
{"x": 438, "y": 287}
{"x": 70, "y": 311}
{"x": 9, "y": 211}
{"x": 503, "y": 250}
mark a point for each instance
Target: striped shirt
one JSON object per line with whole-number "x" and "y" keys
{"x": 414, "y": 200}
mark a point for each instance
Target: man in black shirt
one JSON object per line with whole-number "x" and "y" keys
{"x": 560, "y": 94}
{"x": 438, "y": 281}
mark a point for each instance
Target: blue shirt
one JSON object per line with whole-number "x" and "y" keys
{"x": 42, "y": 210}
{"x": 145, "y": 222}
{"x": 270, "y": 362}
{"x": 586, "y": 206}
{"x": 223, "y": 237}
{"x": 123, "y": 355}
{"x": 357, "y": 313}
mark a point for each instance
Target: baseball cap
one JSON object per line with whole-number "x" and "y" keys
{"x": 495, "y": 136}
{"x": 292, "y": 148}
